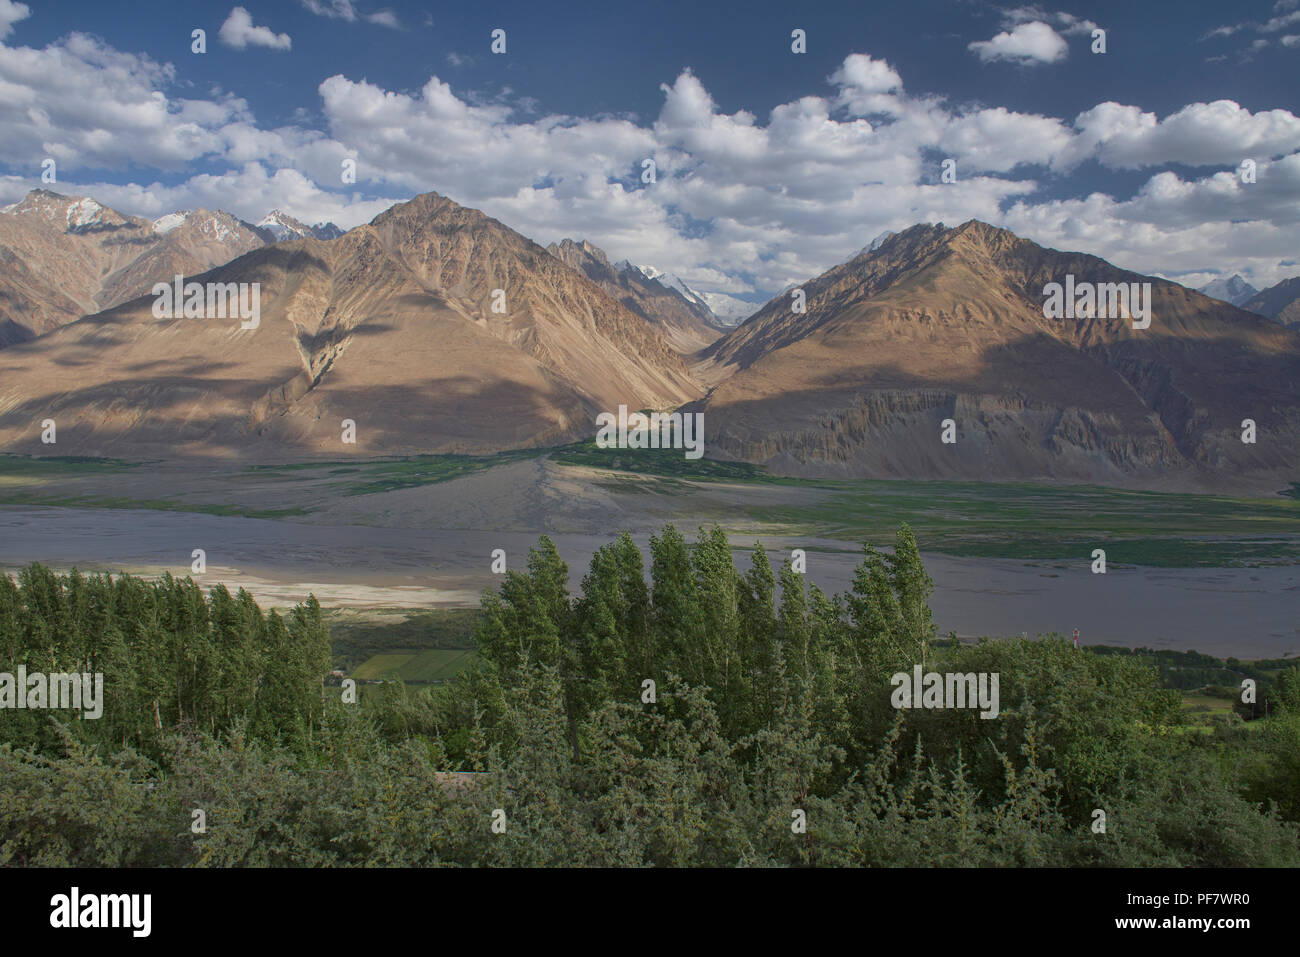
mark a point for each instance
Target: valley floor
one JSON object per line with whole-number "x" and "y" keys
{"x": 1205, "y": 573}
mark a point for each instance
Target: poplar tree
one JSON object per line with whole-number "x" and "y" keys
{"x": 675, "y": 605}
{"x": 913, "y": 587}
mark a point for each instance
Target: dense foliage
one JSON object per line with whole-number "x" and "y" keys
{"x": 769, "y": 705}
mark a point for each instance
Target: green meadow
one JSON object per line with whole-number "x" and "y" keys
{"x": 1023, "y": 520}
{"x": 415, "y": 667}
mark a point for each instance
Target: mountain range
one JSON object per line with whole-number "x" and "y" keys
{"x": 940, "y": 323}
{"x": 64, "y": 257}
{"x": 1280, "y": 303}
{"x": 681, "y": 313}
{"x": 1234, "y": 289}
{"x": 436, "y": 328}
{"x": 392, "y": 325}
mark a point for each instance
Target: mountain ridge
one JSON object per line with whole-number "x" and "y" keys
{"x": 939, "y": 322}
{"x": 391, "y": 326}
{"x": 688, "y": 321}
{"x": 64, "y": 257}
{"x": 1234, "y": 289}
{"x": 1279, "y": 302}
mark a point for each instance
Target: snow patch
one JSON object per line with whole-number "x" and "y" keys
{"x": 84, "y": 212}
{"x": 165, "y": 224}
{"x": 880, "y": 240}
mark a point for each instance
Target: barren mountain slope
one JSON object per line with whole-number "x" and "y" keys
{"x": 944, "y": 323}
{"x": 390, "y": 325}
{"x": 64, "y": 257}
{"x": 1280, "y": 302}
{"x": 685, "y": 323}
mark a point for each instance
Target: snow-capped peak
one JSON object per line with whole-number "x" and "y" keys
{"x": 84, "y": 212}
{"x": 730, "y": 310}
{"x": 880, "y": 240}
{"x": 667, "y": 280}
{"x": 165, "y": 224}
{"x": 1234, "y": 289}
{"x": 284, "y": 227}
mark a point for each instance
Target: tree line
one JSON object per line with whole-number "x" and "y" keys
{"x": 685, "y": 713}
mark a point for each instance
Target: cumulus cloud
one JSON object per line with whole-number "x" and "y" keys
{"x": 86, "y": 104}
{"x": 248, "y": 192}
{"x": 1199, "y": 134}
{"x": 1028, "y": 44}
{"x": 998, "y": 140}
{"x": 866, "y": 85}
{"x": 10, "y": 13}
{"x": 239, "y": 32}
{"x": 745, "y": 202}
{"x": 1189, "y": 231}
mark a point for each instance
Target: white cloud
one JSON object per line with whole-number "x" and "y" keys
{"x": 866, "y": 85}
{"x": 745, "y": 202}
{"x": 85, "y": 104}
{"x": 1199, "y": 134}
{"x": 1287, "y": 16}
{"x": 999, "y": 140}
{"x": 346, "y": 10}
{"x": 248, "y": 192}
{"x": 1277, "y": 23}
{"x": 238, "y": 32}
{"x": 10, "y": 13}
{"x": 1028, "y": 43}
{"x": 335, "y": 9}
{"x": 1067, "y": 23}
{"x": 1185, "y": 231}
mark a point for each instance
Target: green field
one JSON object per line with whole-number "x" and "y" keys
{"x": 670, "y": 463}
{"x": 156, "y": 504}
{"x": 1205, "y": 704}
{"x": 399, "y": 644}
{"x": 1021, "y": 520}
{"x": 358, "y": 635}
{"x": 415, "y": 667}
{"x": 53, "y": 466}
{"x": 994, "y": 520}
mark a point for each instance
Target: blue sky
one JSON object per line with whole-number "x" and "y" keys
{"x": 771, "y": 165}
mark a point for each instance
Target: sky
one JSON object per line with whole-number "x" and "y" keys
{"x": 770, "y": 165}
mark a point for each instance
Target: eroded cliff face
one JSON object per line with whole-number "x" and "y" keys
{"x": 999, "y": 437}
{"x": 947, "y": 324}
